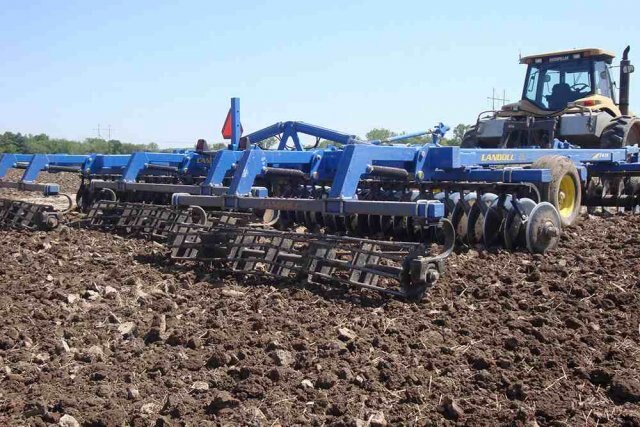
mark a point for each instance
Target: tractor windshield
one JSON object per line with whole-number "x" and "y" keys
{"x": 552, "y": 85}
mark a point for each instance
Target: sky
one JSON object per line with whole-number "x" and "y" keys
{"x": 164, "y": 71}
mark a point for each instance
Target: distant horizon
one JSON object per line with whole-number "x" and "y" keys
{"x": 162, "y": 72}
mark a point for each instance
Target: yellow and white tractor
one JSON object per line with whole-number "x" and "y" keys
{"x": 567, "y": 95}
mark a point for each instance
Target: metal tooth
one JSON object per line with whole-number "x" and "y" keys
{"x": 373, "y": 222}
{"x": 362, "y": 225}
{"x": 330, "y": 222}
{"x": 285, "y": 220}
{"x": 351, "y": 224}
{"x": 312, "y": 220}
{"x": 340, "y": 222}
{"x": 386, "y": 224}
{"x": 401, "y": 230}
{"x": 300, "y": 217}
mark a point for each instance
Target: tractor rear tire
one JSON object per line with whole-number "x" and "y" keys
{"x": 564, "y": 191}
{"x": 470, "y": 138}
{"x": 622, "y": 131}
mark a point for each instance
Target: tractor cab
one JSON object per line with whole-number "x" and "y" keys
{"x": 567, "y": 95}
{"x": 559, "y": 80}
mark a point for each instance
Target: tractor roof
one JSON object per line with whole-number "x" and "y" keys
{"x": 578, "y": 53}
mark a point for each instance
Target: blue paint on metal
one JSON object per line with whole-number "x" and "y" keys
{"x": 143, "y": 161}
{"x": 236, "y": 126}
{"x": 11, "y": 160}
{"x": 40, "y": 162}
{"x": 292, "y": 129}
{"x": 254, "y": 160}
{"x": 106, "y": 164}
{"x": 356, "y": 159}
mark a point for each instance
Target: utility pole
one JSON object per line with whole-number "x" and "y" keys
{"x": 99, "y": 129}
{"x": 493, "y": 98}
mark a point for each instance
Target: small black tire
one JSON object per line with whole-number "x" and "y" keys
{"x": 564, "y": 191}
{"x": 470, "y": 138}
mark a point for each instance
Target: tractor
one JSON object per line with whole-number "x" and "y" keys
{"x": 567, "y": 95}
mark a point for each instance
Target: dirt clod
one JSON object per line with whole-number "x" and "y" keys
{"x": 282, "y": 357}
{"x": 200, "y": 386}
{"x": 377, "y": 419}
{"x": 68, "y": 421}
{"x": 625, "y": 389}
{"x": 346, "y": 334}
{"x": 222, "y": 401}
{"x": 450, "y": 409}
{"x": 218, "y": 359}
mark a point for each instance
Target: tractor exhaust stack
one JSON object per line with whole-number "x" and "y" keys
{"x": 625, "y": 69}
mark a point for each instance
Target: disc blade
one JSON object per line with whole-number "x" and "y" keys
{"x": 513, "y": 230}
{"x": 493, "y": 221}
{"x": 460, "y": 215}
{"x": 543, "y": 228}
{"x": 476, "y": 218}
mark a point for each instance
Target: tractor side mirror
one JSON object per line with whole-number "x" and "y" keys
{"x": 547, "y": 78}
{"x": 628, "y": 69}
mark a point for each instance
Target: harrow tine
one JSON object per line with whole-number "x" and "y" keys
{"x": 153, "y": 221}
{"x": 404, "y": 269}
{"x": 30, "y": 216}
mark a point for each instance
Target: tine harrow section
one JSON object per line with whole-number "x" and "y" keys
{"x": 30, "y": 216}
{"x": 155, "y": 221}
{"x": 137, "y": 218}
{"x": 404, "y": 269}
{"x": 194, "y": 242}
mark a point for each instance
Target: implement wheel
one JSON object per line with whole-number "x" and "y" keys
{"x": 564, "y": 191}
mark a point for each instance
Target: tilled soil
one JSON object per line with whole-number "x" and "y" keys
{"x": 105, "y": 330}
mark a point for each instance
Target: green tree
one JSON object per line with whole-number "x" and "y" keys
{"x": 458, "y": 134}
{"x": 12, "y": 143}
{"x": 42, "y": 143}
{"x": 379, "y": 133}
{"x": 326, "y": 143}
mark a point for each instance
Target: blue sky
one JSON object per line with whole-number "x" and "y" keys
{"x": 164, "y": 71}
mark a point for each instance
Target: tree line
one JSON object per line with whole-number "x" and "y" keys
{"x": 39, "y": 144}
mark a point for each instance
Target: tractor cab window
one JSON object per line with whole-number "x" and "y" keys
{"x": 553, "y": 85}
{"x": 603, "y": 79}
